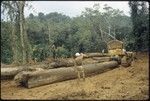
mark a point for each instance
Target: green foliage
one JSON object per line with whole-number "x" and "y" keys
{"x": 40, "y": 52}
{"x": 62, "y": 52}
{"x": 78, "y": 34}
{"x": 6, "y": 52}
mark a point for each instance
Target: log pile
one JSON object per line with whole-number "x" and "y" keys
{"x": 8, "y": 72}
{"x": 38, "y": 78}
{"x": 56, "y": 71}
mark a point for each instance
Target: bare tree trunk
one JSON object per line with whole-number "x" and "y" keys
{"x": 26, "y": 47}
{"x": 14, "y": 39}
{"x": 14, "y": 47}
{"x": 27, "y": 43}
{"x": 21, "y": 16}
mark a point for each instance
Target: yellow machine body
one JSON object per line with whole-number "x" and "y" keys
{"x": 115, "y": 47}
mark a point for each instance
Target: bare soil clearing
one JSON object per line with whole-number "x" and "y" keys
{"x": 120, "y": 83}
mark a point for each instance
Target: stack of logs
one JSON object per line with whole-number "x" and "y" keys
{"x": 37, "y": 75}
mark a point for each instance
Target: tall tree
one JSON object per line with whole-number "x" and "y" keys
{"x": 15, "y": 11}
{"x": 10, "y": 8}
{"x": 26, "y": 56}
{"x": 21, "y": 22}
{"x": 139, "y": 13}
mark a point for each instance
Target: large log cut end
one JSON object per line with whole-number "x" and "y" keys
{"x": 38, "y": 78}
{"x": 21, "y": 78}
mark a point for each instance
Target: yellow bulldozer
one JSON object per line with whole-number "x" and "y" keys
{"x": 116, "y": 51}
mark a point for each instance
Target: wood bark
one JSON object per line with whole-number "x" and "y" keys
{"x": 34, "y": 79}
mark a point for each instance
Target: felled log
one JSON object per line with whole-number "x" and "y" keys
{"x": 102, "y": 59}
{"x": 62, "y": 63}
{"x": 89, "y": 55}
{"x": 39, "y": 78}
{"x": 67, "y": 63}
{"x": 5, "y": 65}
{"x": 10, "y": 72}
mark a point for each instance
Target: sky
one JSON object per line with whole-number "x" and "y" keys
{"x": 72, "y": 8}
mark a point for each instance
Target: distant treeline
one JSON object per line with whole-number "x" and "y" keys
{"x": 77, "y": 34}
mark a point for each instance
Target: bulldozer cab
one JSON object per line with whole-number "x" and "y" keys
{"x": 115, "y": 47}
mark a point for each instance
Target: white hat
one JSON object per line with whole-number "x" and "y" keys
{"x": 103, "y": 51}
{"x": 77, "y": 54}
{"x": 124, "y": 50}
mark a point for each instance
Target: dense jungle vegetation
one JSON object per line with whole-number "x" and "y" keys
{"x": 23, "y": 39}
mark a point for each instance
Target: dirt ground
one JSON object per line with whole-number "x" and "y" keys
{"x": 117, "y": 84}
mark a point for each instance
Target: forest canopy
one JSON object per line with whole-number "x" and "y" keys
{"x": 28, "y": 38}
